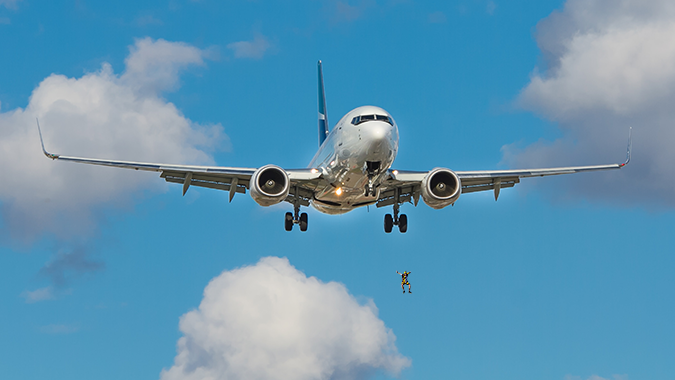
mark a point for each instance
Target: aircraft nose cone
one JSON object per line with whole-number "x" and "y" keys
{"x": 377, "y": 131}
{"x": 379, "y": 139}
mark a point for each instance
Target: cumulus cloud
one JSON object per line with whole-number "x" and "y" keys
{"x": 250, "y": 49}
{"x": 610, "y": 65}
{"x": 270, "y": 321}
{"x": 153, "y": 66}
{"x": 103, "y": 115}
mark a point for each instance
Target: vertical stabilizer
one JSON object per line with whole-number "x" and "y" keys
{"x": 323, "y": 119}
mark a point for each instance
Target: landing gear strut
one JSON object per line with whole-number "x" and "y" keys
{"x": 400, "y": 221}
{"x": 370, "y": 189}
{"x": 372, "y": 168}
{"x": 296, "y": 217}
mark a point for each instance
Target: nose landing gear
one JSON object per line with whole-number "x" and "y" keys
{"x": 370, "y": 188}
{"x": 372, "y": 168}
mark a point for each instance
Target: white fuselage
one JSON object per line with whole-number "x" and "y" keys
{"x": 358, "y": 150}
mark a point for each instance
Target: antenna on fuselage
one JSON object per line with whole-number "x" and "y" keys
{"x": 323, "y": 118}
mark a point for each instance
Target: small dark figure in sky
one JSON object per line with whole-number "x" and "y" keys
{"x": 404, "y": 281}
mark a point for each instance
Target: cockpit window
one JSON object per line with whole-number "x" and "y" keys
{"x": 364, "y": 118}
{"x": 383, "y": 118}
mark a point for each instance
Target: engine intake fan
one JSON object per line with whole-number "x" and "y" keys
{"x": 440, "y": 188}
{"x": 269, "y": 185}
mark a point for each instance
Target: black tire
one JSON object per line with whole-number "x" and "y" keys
{"x": 403, "y": 223}
{"x": 288, "y": 221}
{"x": 388, "y": 223}
{"x": 303, "y": 222}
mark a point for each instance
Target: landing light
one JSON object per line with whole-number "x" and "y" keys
{"x": 395, "y": 172}
{"x": 338, "y": 191}
{"x": 314, "y": 171}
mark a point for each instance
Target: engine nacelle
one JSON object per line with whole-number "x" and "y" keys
{"x": 269, "y": 185}
{"x": 440, "y": 188}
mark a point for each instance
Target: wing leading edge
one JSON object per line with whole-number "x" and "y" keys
{"x": 406, "y": 185}
{"x": 231, "y": 179}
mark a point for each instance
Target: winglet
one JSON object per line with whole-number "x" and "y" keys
{"x": 629, "y": 148}
{"x": 49, "y": 155}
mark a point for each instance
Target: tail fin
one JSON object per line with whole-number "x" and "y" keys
{"x": 323, "y": 119}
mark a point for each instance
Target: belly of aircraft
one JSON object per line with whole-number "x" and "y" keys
{"x": 344, "y": 197}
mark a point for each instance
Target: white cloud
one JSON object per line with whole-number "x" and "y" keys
{"x": 37, "y": 295}
{"x": 102, "y": 115}
{"x": 250, "y": 49}
{"x": 153, "y": 66}
{"x": 611, "y": 65}
{"x": 270, "y": 321}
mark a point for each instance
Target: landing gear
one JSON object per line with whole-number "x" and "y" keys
{"x": 296, "y": 217}
{"x": 288, "y": 222}
{"x": 372, "y": 168}
{"x": 388, "y": 223}
{"x": 370, "y": 189}
{"x": 396, "y": 220}
{"x": 403, "y": 223}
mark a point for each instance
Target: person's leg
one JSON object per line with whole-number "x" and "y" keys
{"x": 403, "y": 287}
{"x": 409, "y": 291}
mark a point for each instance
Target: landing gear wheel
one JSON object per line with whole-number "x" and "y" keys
{"x": 288, "y": 221}
{"x": 303, "y": 222}
{"x": 403, "y": 223}
{"x": 388, "y": 223}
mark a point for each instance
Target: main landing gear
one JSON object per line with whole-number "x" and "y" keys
{"x": 298, "y": 218}
{"x": 396, "y": 220}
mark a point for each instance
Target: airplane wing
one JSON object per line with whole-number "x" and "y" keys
{"x": 232, "y": 179}
{"x": 406, "y": 185}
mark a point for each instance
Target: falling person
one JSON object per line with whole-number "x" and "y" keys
{"x": 404, "y": 280}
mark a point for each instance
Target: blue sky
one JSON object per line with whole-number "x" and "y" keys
{"x": 562, "y": 278}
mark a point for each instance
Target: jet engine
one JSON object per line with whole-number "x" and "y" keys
{"x": 269, "y": 185}
{"x": 441, "y": 187}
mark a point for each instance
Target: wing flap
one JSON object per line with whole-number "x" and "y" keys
{"x": 405, "y": 193}
{"x": 211, "y": 182}
{"x": 486, "y": 187}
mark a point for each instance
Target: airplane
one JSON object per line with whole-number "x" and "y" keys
{"x": 351, "y": 169}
